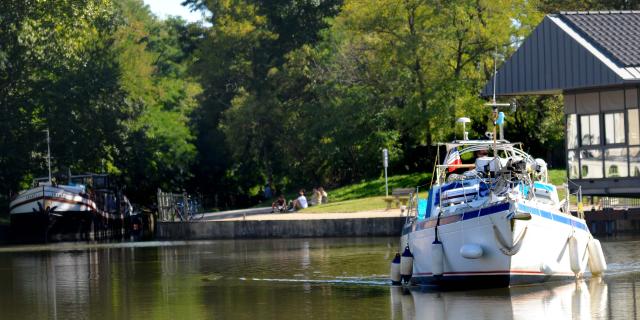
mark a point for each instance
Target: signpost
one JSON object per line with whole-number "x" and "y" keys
{"x": 385, "y": 162}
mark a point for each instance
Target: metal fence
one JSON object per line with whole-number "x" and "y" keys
{"x": 619, "y": 203}
{"x": 179, "y": 206}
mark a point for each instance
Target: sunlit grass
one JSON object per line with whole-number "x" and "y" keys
{"x": 375, "y": 187}
{"x": 557, "y": 176}
{"x": 363, "y": 204}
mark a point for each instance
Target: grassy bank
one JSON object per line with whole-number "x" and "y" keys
{"x": 557, "y": 176}
{"x": 348, "y": 206}
{"x": 369, "y": 195}
{"x": 375, "y": 187}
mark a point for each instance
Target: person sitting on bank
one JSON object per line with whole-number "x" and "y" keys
{"x": 280, "y": 204}
{"x": 316, "y": 197}
{"x": 324, "y": 197}
{"x": 300, "y": 202}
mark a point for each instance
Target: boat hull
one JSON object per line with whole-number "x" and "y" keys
{"x": 514, "y": 251}
{"x": 48, "y": 212}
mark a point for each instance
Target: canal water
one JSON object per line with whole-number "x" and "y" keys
{"x": 279, "y": 279}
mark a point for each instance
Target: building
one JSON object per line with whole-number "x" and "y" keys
{"x": 593, "y": 60}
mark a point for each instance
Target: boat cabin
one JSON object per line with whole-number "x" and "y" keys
{"x": 497, "y": 170}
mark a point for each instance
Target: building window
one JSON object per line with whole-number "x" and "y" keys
{"x": 634, "y": 162}
{"x": 572, "y": 164}
{"x": 615, "y": 162}
{"x": 614, "y": 128}
{"x": 590, "y": 130}
{"x": 590, "y": 164}
{"x": 572, "y": 131}
{"x": 634, "y": 127}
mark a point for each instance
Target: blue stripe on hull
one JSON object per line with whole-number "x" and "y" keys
{"x": 561, "y": 218}
{"x": 552, "y": 216}
{"x": 485, "y": 281}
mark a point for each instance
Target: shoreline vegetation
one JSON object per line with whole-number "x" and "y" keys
{"x": 295, "y": 93}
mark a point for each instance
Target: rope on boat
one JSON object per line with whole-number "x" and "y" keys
{"x": 504, "y": 247}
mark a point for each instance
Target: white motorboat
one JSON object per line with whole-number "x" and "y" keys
{"x": 494, "y": 222}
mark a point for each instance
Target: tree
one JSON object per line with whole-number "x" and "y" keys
{"x": 154, "y": 58}
{"x": 57, "y": 72}
{"x": 240, "y": 118}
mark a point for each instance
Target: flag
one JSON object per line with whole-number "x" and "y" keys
{"x": 453, "y": 160}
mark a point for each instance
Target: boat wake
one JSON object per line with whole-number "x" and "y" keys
{"x": 336, "y": 281}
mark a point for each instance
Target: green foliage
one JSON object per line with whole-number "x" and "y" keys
{"x": 154, "y": 57}
{"x": 304, "y": 92}
{"x": 108, "y": 80}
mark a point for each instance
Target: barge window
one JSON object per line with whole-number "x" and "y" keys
{"x": 614, "y": 128}
{"x": 590, "y": 130}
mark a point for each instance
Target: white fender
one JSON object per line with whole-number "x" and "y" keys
{"x": 597, "y": 263}
{"x": 394, "y": 273}
{"x": 471, "y": 251}
{"x": 574, "y": 256}
{"x": 437, "y": 258}
{"x": 406, "y": 264}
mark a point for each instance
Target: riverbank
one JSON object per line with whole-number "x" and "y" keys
{"x": 286, "y": 225}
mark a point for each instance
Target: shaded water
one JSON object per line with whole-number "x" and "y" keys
{"x": 281, "y": 279}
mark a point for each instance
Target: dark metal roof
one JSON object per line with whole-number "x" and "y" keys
{"x": 564, "y": 53}
{"x": 617, "y": 33}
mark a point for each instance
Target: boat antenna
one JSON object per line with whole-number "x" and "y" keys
{"x": 494, "y": 104}
{"x": 48, "y": 153}
{"x": 493, "y": 101}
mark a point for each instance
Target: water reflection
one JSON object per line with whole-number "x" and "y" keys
{"x": 283, "y": 279}
{"x": 580, "y": 300}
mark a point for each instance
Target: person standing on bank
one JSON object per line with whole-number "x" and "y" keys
{"x": 300, "y": 202}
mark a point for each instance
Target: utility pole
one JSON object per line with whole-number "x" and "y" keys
{"x": 385, "y": 163}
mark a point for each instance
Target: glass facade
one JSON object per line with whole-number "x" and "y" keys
{"x": 615, "y": 163}
{"x": 634, "y": 162}
{"x": 603, "y": 136}
{"x": 591, "y": 164}
{"x": 634, "y": 127}
{"x": 572, "y": 131}
{"x": 614, "y": 128}
{"x": 573, "y": 164}
{"x": 590, "y": 129}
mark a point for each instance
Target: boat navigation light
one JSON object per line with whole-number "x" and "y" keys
{"x": 464, "y": 121}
